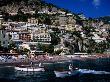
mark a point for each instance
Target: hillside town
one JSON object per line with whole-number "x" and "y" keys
{"x": 48, "y": 30}
{"x": 54, "y": 41}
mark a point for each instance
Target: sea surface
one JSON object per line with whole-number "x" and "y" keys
{"x": 9, "y": 74}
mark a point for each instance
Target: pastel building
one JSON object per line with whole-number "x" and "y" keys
{"x": 4, "y": 37}
{"x": 42, "y": 37}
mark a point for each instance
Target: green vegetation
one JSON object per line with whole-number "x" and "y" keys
{"x": 46, "y": 48}
{"x": 58, "y": 51}
{"x": 106, "y": 19}
{"x": 24, "y": 51}
{"x": 43, "y": 18}
{"x": 12, "y": 45}
{"x": 54, "y": 39}
{"x": 88, "y": 30}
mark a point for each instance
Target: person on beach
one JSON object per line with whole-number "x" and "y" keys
{"x": 40, "y": 64}
{"x": 31, "y": 63}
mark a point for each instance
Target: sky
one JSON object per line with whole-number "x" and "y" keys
{"x": 90, "y": 8}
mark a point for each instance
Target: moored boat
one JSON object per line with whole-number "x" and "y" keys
{"x": 30, "y": 68}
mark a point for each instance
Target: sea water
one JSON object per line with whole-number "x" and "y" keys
{"x": 9, "y": 74}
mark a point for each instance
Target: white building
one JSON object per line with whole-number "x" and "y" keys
{"x": 5, "y": 38}
{"x": 97, "y": 38}
{"x": 42, "y": 37}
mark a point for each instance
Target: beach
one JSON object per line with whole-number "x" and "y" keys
{"x": 51, "y": 59}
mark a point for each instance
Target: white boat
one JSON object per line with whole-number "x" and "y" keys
{"x": 31, "y": 69}
{"x": 70, "y": 72}
{"x": 80, "y": 72}
{"x": 61, "y": 74}
{"x": 28, "y": 68}
{"x": 66, "y": 73}
{"x": 76, "y": 71}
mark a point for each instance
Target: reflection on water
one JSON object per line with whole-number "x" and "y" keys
{"x": 7, "y": 72}
{"x": 10, "y": 75}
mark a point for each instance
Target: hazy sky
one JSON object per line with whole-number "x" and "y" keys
{"x": 90, "y": 8}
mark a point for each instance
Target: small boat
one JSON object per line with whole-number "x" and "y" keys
{"x": 29, "y": 68}
{"x": 61, "y": 74}
{"x": 64, "y": 73}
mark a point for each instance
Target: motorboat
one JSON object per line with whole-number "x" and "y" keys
{"x": 61, "y": 73}
{"x": 75, "y": 71}
{"x": 65, "y": 73}
{"x": 30, "y": 68}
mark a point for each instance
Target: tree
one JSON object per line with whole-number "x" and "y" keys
{"x": 88, "y": 30}
{"x": 46, "y": 48}
{"x": 47, "y": 21}
{"x": 58, "y": 51}
{"x": 78, "y": 41}
{"x": 12, "y": 45}
{"x": 26, "y": 51}
{"x": 101, "y": 47}
{"x": 91, "y": 46}
{"x": 54, "y": 38}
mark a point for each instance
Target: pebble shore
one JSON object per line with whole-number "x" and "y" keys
{"x": 51, "y": 59}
